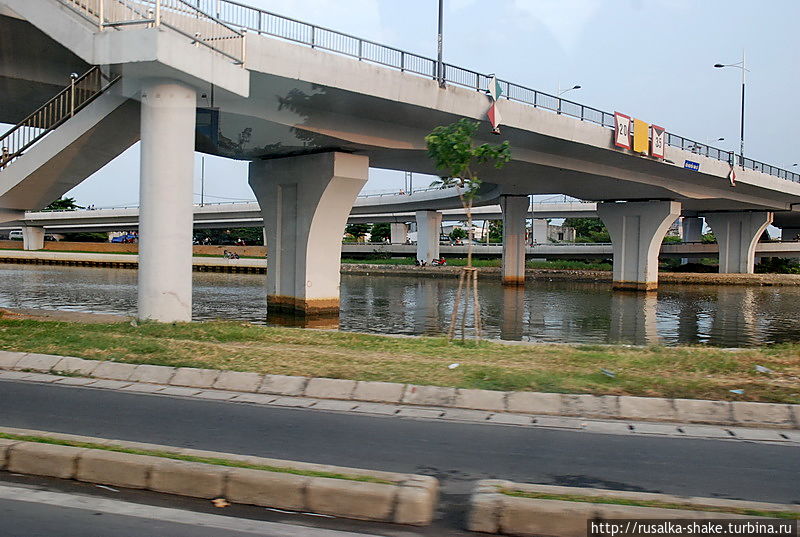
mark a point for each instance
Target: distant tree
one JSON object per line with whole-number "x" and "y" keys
{"x": 495, "y": 231}
{"x": 63, "y": 204}
{"x": 86, "y": 237}
{"x": 356, "y": 230}
{"x": 458, "y": 234}
{"x": 250, "y": 235}
{"x": 381, "y": 232}
{"x": 708, "y": 238}
{"x": 671, "y": 239}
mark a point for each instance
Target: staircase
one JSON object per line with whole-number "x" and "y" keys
{"x": 81, "y": 91}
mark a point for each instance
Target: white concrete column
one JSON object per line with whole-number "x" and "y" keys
{"x": 637, "y": 229}
{"x": 737, "y": 234}
{"x": 790, "y": 234}
{"x": 429, "y": 226}
{"x": 165, "y": 198}
{"x": 305, "y": 202}
{"x": 539, "y": 231}
{"x": 692, "y": 231}
{"x": 32, "y": 238}
{"x": 399, "y": 232}
{"x": 515, "y": 213}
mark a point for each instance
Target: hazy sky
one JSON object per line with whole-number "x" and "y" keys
{"x": 651, "y": 59}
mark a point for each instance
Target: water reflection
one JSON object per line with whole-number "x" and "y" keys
{"x": 542, "y": 311}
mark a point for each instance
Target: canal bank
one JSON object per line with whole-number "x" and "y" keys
{"x": 212, "y": 262}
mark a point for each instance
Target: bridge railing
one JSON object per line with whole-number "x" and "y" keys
{"x": 264, "y": 22}
{"x": 182, "y": 16}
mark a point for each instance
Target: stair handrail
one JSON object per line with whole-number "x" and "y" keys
{"x": 81, "y": 91}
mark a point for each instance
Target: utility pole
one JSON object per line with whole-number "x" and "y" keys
{"x": 202, "y": 180}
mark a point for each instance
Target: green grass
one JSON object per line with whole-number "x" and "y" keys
{"x": 697, "y": 372}
{"x": 608, "y": 500}
{"x": 191, "y": 458}
{"x": 460, "y": 262}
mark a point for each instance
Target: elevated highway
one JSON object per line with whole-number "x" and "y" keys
{"x": 311, "y": 123}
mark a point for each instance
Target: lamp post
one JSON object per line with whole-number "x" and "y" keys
{"x": 439, "y": 64}
{"x": 739, "y": 65}
{"x": 560, "y": 92}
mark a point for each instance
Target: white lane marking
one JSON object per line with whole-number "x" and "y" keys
{"x": 166, "y": 514}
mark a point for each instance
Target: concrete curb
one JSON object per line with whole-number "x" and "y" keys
{"x": 494, "y": 512}
{"x": 410, "y": 499}
{"x": 622, "y": 407}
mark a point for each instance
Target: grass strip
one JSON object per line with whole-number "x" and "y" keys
{"x": 647, "y": 503}
{"x": 191, "y": 458}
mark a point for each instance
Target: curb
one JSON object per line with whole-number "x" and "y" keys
{"x": 410, "y": 499}
{"x": 622, "y": 407}
{"x": 494, "y": 512}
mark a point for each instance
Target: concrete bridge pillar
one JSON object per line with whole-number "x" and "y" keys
{"x": 515, "y": 213}
{"x": 539, "y": 231}
{"x": 692, "y": 232}
{"x": 429, "y": 225}
{"x": 399, "y": 232}
{"x": 32, "y": 238}
{"x": 790, "y": 234}
{"x": 305, "y": 202}
{"x": 637, "y": 229}
{"x": 165, "y": 198}
{"x": 737, "y": 234}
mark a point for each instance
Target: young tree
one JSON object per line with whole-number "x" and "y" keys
{"x": 452, "y": 150}
{"x": 458, "y": 234}
{"x": 63, "y": 204}
{"x": 357, "y": 230}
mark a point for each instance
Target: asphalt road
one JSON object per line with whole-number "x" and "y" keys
{"x": 456, "y": 453}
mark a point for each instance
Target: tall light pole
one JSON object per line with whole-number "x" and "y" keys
{"x": 439, "y": 64}
{"x": 560, "y": 92}
{"x": 739, "y": 65}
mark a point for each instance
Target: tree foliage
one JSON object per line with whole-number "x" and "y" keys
{"x": 63, "y": 204}
{"x": 381, "y": 232}
{"x": 588, "y": 229}
{"x": 458, "y": 234}
{"x": 356, "y": 230}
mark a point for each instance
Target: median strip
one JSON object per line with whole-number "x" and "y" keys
{"x": 507, "y": 508}
{"x": 331, "y": 490}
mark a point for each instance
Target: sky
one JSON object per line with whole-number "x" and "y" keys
{"x": 651, "y": 59}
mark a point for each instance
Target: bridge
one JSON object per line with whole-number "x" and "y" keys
{"x": 312, "y": 109}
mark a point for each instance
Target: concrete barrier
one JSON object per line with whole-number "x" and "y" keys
{"x": 491, "y": 511}
{"x": 399, "y": 498}
{"x": 623, "y": 407}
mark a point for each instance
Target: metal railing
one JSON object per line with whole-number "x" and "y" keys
{"x": 81, "y": 91}
{"x": 181, "y": 16}
{"x": 268, "y": 23}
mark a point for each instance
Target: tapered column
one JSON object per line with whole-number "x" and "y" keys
{"x": 515, "y": 212}
{"x": 305, "y": 202}
{"x": 32, "y": 238}
{"x": 165, "y": 198}
{"x": 737, "y": 235}
{"x": 692, "y": 231}
{"x": 637, "y": 229}
{"x": 429, "y": 226}
{"x": 539, "y": 231}
{"x": 399, "y": 232}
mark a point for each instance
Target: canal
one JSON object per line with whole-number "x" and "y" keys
{"x": 560, "y": 312}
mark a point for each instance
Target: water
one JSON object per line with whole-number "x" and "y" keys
{"x": 563, "y": 312}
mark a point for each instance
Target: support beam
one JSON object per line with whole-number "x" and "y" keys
{"x": 165, "y": 198}
{"x": 429, "y": 225}
{"x": 737, "y": 235}
{"x": 399, "y": 232}
{"x": 637, "y": 229}
{"x": 32, "y": 238}
{"x": 305, "y": 202}
{"x": 515, "y": 213}
{"x": 539, "y": 231}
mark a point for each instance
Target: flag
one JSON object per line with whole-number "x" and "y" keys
{"x": 732, "y": 175}
{"x": 495, "y": 91}
{"x": 494, "y": 118}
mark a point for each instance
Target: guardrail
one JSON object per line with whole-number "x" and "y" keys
{"x": 81, "y": 91}
{"x": 274, "y": 25}
{"x": 181, "y": 16}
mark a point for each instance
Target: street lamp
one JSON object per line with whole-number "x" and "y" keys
{"x": 739, "y": 65}
{"x": 561, "y": 92}
{"x": 439, "y": 64}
